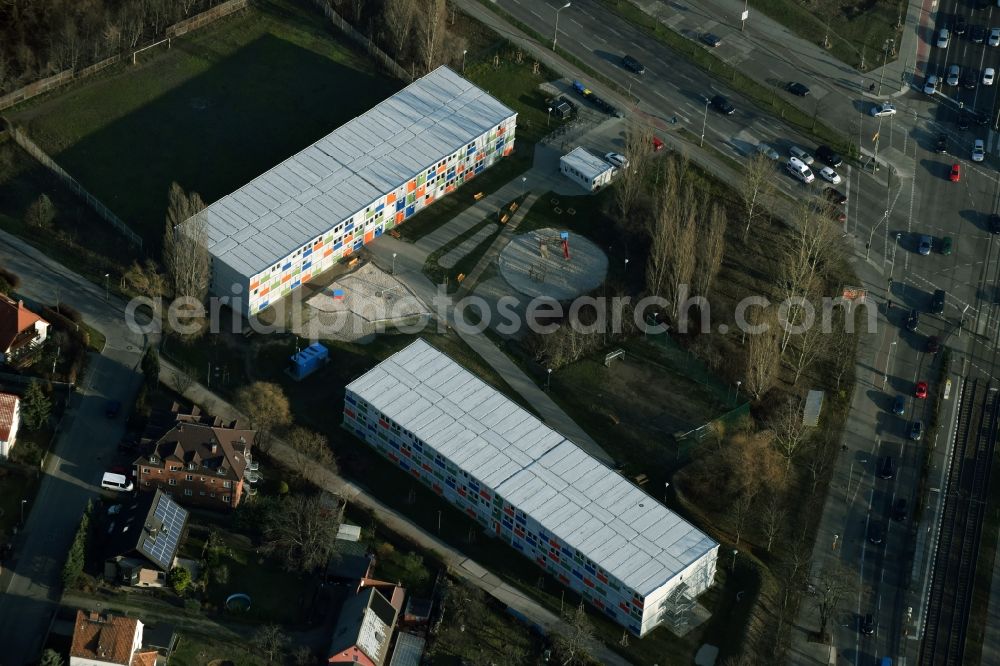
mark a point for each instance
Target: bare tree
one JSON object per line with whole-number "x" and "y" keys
{"x": 663, "y": 225}
{"x": 789, "y": 430}
{"x": 834, "y": 585}
{"x": 270, "y": 640}
{"x": 431, "y": 31}
{"x": 812, "y": 343}
{"x": 186, "y": 6}
{"x": 683, "y": 259}
{"x": 762, "y": 354}
{"x": 818, "y": 461}
{"x": 146, "y": 279}
{"x": 573, "y": 645}
{"x": 267, "y": 408}
{"x": 711, "y": 248}
{"x": 773, "y": 520}
{"x": 742, "y": 508}
{"x": 41, "y": 212}
{"x": 311, "y": 449}
{"x": 357, "y": 8}
{"x": 301, "y": 533}
{"x": 185, "y": 245}
{"x": 756, "y": 189}
{"x": 629, "y": 182}
{"x": 398, "y": 16}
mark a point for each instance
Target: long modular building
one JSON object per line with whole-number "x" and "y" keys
{"x": 367, "y": 176}
{"x": 626, "y": 553}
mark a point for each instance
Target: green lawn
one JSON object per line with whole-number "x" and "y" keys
{"x": 219, "y": 108}
{"x": 199, "y": 650}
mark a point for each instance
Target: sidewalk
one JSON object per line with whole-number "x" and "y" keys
{"x": 457, "y": 563}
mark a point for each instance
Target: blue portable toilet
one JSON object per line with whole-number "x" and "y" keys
{"x": 309, "y": 360}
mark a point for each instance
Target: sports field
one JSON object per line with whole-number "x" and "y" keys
{"x": 220, "y": 107}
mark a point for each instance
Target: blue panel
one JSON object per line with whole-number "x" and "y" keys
{"x": 358, "y": 244}
{"x": 378, "y": 232}
{"x": 379, "y": 207}
{"x": 479, "y": 168}
{"x": 350, "y": 400}
{"x": 286, "y": 266}
{"x": 306, "y": 265}
{"x": 400, "y": 205}
{"x": 296, "y": 283}
{"x": 576, "y": 572}
{"x": 338, "y": 245}
{"x": 263, "y": 304}
{"x": 350, "y": 225}
{"x": 307, "y": 253}
{"x": 405, "y": 465}
{"x": 410, "y": 210}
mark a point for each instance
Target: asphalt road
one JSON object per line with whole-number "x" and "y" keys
{"x": 85, "y": 446}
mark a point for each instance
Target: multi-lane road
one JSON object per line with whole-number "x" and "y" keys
{"x": 887, "y": 213}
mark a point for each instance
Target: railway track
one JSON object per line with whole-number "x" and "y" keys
{"x": 950, "y": 598}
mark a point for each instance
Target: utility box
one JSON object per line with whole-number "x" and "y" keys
{"x": 309, "y": 360}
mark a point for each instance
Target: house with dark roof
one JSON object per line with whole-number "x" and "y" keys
{"x": 200, "y": 460}
{"x": 351, "y": 564}
{"x": 364, "y": 627}
{"x": 10, "y": 420}
{"x": 21, "y": 330}
{"x": 108, "y": 640}
{"x": 141, "y": 538}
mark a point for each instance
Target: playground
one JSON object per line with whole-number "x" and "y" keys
{"x": 553, "y": 263}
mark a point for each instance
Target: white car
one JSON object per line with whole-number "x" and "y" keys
{"x": 931, "y": 84}
{"x": 994, "y": 39}
{"x": 943, "y": 38}
{"x": 617, "y": 159}
{"x": 829, "y": 175}
{"x": 883, "y": 109}
{"x": 954, "y": 72}
{"x": 988, "y": 75}
{"x": 979, "y": 151}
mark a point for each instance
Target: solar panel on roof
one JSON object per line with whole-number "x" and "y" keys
{"x": 165, "y": 532}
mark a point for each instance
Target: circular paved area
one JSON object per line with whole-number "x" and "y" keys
{"x": 533, "y": 264}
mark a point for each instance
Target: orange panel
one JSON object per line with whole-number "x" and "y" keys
{"x": 349, "y": 238}
{"x": 410, "y": 186}
{"x": 286, "y": 279}
{"x": 305, "y": 278}
{"x": 421, "y": 191}
{"x": 254, "y": 285}
{"x": 263, "y": 292}
{"x": 429, "y": 200}
{"x": 442, "y": 168}
{"x": 450, "y": 188}
{"x": 460, "y": 169}
{"x": 390, "y": 198}
{"x": 507, "y": 151}
{"x": 348, "y": 250}
{"x": 400, "y": 217}
{"x": 328, "y": 252}
{"x": 369, "y": 236}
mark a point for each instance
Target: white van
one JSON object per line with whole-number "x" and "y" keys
{"x": 116, "y": 482}
{"x": 798, "y": 169}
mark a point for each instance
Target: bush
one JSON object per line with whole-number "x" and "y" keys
{"x": 179, "y": 578}
{"x": 77, "y": 555}
{"x": 70, "y": 313}
{"x": 283, "y": 488}
{"x": 192, "y": 605}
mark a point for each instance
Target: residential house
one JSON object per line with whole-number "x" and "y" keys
{"x": 10, "y": 419}
{"x": 364, "y": 628}
{"x": 351, "y": 564}
{"x": 408, "y": 650}
{"x": 141, "y": 538}
{"x": 108, "y": 640}
{"x": 20, "y": 330}
{"x": 200, "y": 460}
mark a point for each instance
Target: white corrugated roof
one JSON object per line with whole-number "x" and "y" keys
{"x": 311, "y": 192}
{"x": 571, "y": 494}
{"x": 585, "y": 162}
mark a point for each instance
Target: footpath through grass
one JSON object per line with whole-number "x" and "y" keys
{"x": 216, "y": 110}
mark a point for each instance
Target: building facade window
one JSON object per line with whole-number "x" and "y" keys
{"x": 172, "y": 482}
{"x": 188, "y": 492}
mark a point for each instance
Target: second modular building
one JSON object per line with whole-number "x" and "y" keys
{"x": 367, "y": 176}
{"x": 626, "y": 553}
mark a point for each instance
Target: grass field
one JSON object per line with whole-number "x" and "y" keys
{"x": 213, "y": 112}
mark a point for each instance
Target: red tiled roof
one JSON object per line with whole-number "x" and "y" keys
{"x": 103, "y": 637}
{"x": 14, "y": 318}
{"x": 144, "y": 659}
{"x": 8, "y": 404}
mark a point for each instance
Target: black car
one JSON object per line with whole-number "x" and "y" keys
{"x": 797, "y": 88}
{"x": 711, "y": 39}
{"x": 887, "y": 468}
{"x": 111, "y": 408}
{"x": 875, "y": 536}
{"x": 963, "y": 120}
{"x": 916, "y": 430}
{"x": 941, "y": 146}
{"x": 912, "y": 320}
{"x": 960, "y": 25}
{"x": 933, "y": 344}
{"x": 826, "y": 154}
{"x": 833, "y": 195}
{"x": 977, "y": 34}
{"x": 980, "y": 118}
{"x": 995, "y": 224}
{"x": 722, "y": 105}
{"x": 633, "y": 65}
{"x": 970, "y": 79}
{"x": 899, "y": 512}
{"x": 868, "y": 624}
{"x": 937, "y": 301}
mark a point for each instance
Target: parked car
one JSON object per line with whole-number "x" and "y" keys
{"x": 111, "y": 408}
{"x": 970, "y": 79}
{"x": 868, "y": 621}
{"x": 933, "y": 344}
{"x": 956, "y": 173}
{"x": 924, "y": 245}
{"x": 801, "y": 154}
{"x": 835, "y": 196}
{"x": 617, "y": 159}
{"x": 633, "y": 65}
{"x": 797, "y": 88}
{"x": 977, "y": 34}
{"x": 899, "y": 405}
{"x": 994, "y": 223}
{"x": 989, "y": 74}
{"x": 916, "y": 431}
{"x": 937, "y": 301}
{"x": 768, "y": 151}
{"x": 899, "y": 511}
{"x": 829, "y": 156}
{"x": 883, "y": 109}
{"x": 960, "y": 25}
{"x": 946, "y": 245}
{"x": 964, "y": 120}
{"x": 887, "y": 468}
{"x": 978, "y": 150}
{"x": 941, "y": 145}
{"x": 723, "y": 105}
{"x": 874, "y": 536}
{"x": 943, "y": 38}
{"x": 912, "y": 320}
{"x": 931, "y": 84}
{"x": 994, "y": 38}
{"x": 799, "y": 170}
{"x": 711, "y": 40}
{"x": 954, "y": 73}
{"x": 920, "y": 390}
{"x": 829, "y": 175}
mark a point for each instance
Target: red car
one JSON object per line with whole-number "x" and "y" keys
{"x": 956, "y": 173}
{"x": 921, "y": 390}
{"x": 657, "y": 144}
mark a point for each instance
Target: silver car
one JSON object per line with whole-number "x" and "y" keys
{"x": 767, "y": 151}
{"x": 943, "y": 38}
{"x": 954, "y": 73}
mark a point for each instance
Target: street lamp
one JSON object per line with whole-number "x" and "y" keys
{"x": 892, "y": 265}
{"x": 738, "y": 384}
{"x": 548, "y": 380}
{"x": 626, "y": 264}
{"x": 23, "y": 502}
{"x": 548, "y": 118}
{"x": 393, "y": 263}
{"x": 555, "y": 33}
{"x": 885, "y": 375}
{"x": 735, "y": 553}
{"x": 464, "y": 51}
{"x": 107, "y": 286}
{"x": 704, "y": 123}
